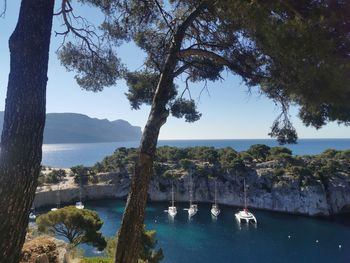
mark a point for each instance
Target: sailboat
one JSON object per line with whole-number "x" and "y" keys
{"x": 245, "y": 215}
{"x": 215, "y": 211}
{"x": 32, "y": 215}
{"x": 172, "y": 211}
{"x": 58, "y": 204}
{"x": 79, "y": 204}
{"x": 193, "y": 207}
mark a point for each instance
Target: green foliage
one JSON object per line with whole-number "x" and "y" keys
{"x": 77, "y": 225}
{"x": 227, "y": 155}
{"x": 97, "y": 260}
{"x": 167, "y": 153}
{"x": 259, "y": 151}
{"x": 82, "y": 175}
{"x": 237, "y": 164}
{"x": 55, "y": 176}
{"x": 279, "y": 172}
{"x": 148, "y": 252}
{"x": 275, "y": 151}
{"x": 185, "y": 108}
{"x": 245, "y": 156}
{"x": 300, "y": 171}
{"x": 329, "y": 153}
{"x": 187, "y": 164}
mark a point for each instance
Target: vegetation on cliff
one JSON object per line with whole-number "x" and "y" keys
{"x": 211, "y": 162}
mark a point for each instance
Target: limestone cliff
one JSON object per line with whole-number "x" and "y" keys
{"x": 264, "y": 191}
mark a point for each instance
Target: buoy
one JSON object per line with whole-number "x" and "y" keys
{"x": 339, "y": 246}
{"x": 289, "y": 237}
{"x": 155, "y": 221}
{"x": 316, "y": 240}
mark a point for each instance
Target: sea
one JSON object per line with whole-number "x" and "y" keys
{"x": 277, "y": 237}
{"x": 68, "y": 155}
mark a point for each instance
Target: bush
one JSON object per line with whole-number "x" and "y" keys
{"x": 275, "y": 151}
{"x": 279, "y": 171}
{"x": 97, "y": 260}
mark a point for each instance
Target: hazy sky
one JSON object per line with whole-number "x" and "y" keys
{"x": 229, "y": 111}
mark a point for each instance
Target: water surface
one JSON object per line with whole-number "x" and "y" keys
{"x": 67, "y": 155}
{"x": 205, "y": 240}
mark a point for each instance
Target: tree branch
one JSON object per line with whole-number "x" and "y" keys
{"x": 163, "y": 13}
{"x": 2, "y": 14}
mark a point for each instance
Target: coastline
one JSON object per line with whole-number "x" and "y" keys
{"x": 310, "y": 201}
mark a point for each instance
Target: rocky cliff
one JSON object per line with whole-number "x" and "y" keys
{"x": 264, "y": 191}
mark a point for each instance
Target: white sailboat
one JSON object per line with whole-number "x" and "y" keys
{"x": 172, "y": 211}
{"x": 245, "y": 215}
{"x": 32, "y": 215}
{"x": 193, "y": 207}
{"x": 58, "y": 204}
{"x": 79, "y": 204}
{"x": 215, "y": 211}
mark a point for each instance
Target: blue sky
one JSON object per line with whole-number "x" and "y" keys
{"x": 229, "y": 111}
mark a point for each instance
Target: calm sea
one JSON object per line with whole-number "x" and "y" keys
{"x": 67, "y": 155}
{"x": 206, "y": 240}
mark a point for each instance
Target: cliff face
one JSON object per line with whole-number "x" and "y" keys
{"x": 286, "y": 194}
{"x": 262, "y": 192}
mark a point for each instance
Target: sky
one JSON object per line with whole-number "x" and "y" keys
{"x": 228, "y": 110}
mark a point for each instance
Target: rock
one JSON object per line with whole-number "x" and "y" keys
{"x": 43, "y": 249}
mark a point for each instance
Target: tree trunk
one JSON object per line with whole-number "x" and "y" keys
{"x": 129, "y": 235}
{"x": 24, "y": 121}
{"x": 128, "y": 245}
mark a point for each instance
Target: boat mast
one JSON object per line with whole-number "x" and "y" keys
{"x": 80, "y": 185}
{"x": 190, "y": 190}
{"x": 58, "y": 196}
{"x": 245, "y": 196}
{"x": 172, "y": 194}
{"x": 215, "y": 193}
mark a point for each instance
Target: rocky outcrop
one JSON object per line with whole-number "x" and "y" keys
{"x": 285, "y": 193}
{"x": 44, "y": 249}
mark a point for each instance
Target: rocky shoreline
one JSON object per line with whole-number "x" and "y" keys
{"x": 285, "y": 195}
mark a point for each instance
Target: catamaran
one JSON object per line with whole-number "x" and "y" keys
{"x": 193, "y": 207}
{"x": 245, "y": 215}
{"x": 215, "y": 211}
{"x": 172, "y": 211}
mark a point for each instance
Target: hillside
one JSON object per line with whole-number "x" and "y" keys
{"x": 79, "y": 128}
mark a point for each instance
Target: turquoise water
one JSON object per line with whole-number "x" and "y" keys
{"x": 67, "y": 155}
{"x": 203, "y": 239}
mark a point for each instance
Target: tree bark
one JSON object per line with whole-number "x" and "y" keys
{"x": 128, "y": 238}
{"x": 24, "y": 121}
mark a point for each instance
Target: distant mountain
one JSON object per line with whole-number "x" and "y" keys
{"x": 79, "y": 128}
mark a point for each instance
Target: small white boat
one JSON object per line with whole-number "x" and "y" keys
{"x": 193, "y": 207}
{"x": 172, "y": 211}
{"x": 32, "y": 216}
{"x": 58, "y": 204}
{"x": 215, "y": 211}
{"x": 244, "y": 215}
{"x": 79, "y": 205}
{"x": 192, "y": 210}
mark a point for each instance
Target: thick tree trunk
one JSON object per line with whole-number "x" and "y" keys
{"x": 24, "y": 122}
{"x": 129, "y": 235}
